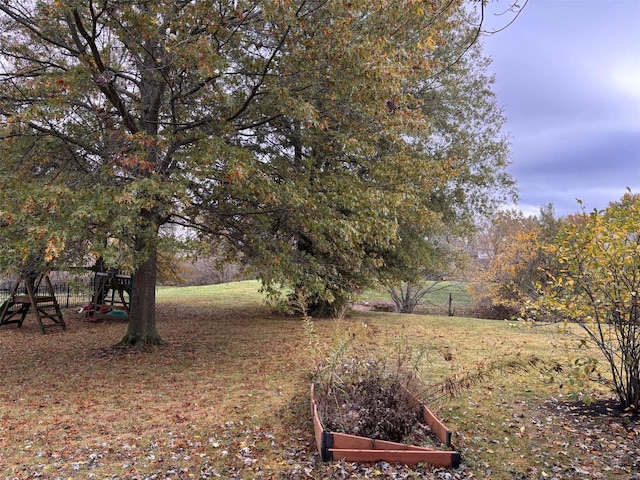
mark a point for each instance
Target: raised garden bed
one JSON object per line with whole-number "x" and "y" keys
{"x": 352, "y": 448}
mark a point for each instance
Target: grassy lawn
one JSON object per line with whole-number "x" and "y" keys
{"x": 228, "y": 397}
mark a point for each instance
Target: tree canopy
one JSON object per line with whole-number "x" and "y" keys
{"x": 300, "y": 133}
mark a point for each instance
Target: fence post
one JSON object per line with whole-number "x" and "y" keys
{"x": 450, "y": 304}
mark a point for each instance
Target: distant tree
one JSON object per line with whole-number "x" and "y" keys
{"x": 213, "y": 265}
{"x": 595, "y": 282}
{"x": 513, "y": 259}
{"x": 466, "y": 134}
{"x": 415, "y": 268}
{"x": 171, "y": 270}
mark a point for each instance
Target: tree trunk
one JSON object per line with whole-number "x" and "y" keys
{"x": 142, "y": 329}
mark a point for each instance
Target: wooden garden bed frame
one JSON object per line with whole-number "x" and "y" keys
{"x": 352, "y": 448}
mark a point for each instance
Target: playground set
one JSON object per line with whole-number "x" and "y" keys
{"x": 25, "y": 294}
{"x": 33, "y": 291}
{"x": 111, "y": 296}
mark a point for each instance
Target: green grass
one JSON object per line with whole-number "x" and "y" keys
{"x": 247, "y": 291}
{"x": 222, "y": 294}
{"x": 228, "y": 395}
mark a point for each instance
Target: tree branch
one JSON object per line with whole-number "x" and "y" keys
{"x": 263, "y": 75}
{"x": 104, "y": 81}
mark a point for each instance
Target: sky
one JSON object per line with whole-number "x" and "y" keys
{"x": 568, "y": 76}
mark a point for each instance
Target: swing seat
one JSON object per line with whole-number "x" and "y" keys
{"x": 36, "y": 300}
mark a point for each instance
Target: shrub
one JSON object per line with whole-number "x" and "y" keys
{"x": 360, "y": 397}
{"x": 596, "y": 283}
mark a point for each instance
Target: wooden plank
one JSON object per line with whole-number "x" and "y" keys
{"x": 26, "y": 299}
{"x": 442, "y": 432}
{"x": 317, "y": 426}
{"x": 437, "y": 427}
{"x": 10, "y": 309}
{"x": 346, "y": 441}
{"x": 408, "y": 457}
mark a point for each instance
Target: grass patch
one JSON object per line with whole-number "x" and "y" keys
{"x": 223, "y": 294}
{"x": 228, "y": 397}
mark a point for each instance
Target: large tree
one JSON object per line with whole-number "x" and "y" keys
{"x": 465, "y": 133}
{"x": 119, "y": 118}
{"x": 375, "y": 182}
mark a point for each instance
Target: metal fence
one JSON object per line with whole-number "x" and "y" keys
{"x": 70, "y": 292}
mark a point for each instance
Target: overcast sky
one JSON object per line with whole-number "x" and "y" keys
{"x": 568, "y": 76}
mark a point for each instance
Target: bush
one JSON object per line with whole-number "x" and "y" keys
{"x": 368, "y": 393}
{"x": 360, "y": 398}
{"x": 595, "y": 282}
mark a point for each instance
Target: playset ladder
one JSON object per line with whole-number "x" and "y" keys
{"x": 112, "y": 294}
{"x": 25, "y": 295}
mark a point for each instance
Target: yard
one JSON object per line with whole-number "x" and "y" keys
{"x": 228, "y": 397}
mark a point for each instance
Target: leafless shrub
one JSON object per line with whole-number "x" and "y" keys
{"x": 363, "y": 398}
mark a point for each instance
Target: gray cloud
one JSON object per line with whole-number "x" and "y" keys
{"x": 568, "y": 75}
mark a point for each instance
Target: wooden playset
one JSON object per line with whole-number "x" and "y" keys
{"x": 111, "y": 295}
{"x": 32, "y": 292}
